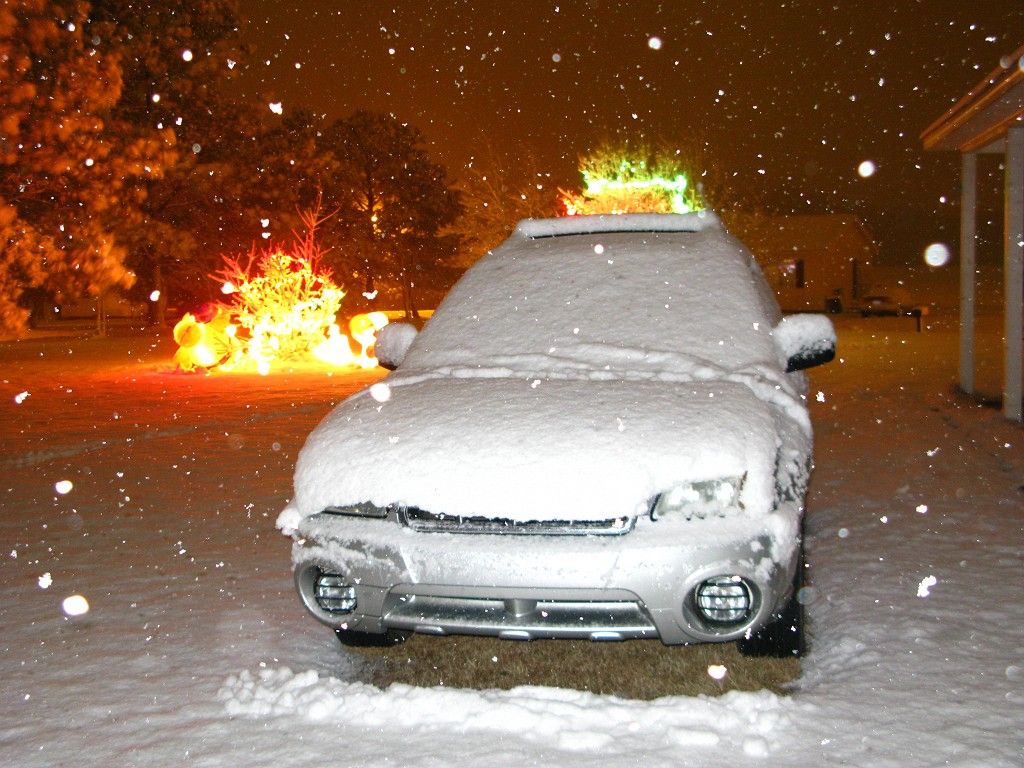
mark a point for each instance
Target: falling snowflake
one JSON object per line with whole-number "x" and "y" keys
{"x": 923, "y": 589}
{"x": 717, "y": 671}
{"x": 75, "y": 605}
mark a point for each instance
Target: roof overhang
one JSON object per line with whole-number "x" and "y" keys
{"x": 978, "y": 122}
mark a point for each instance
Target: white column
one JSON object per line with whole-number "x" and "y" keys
{"x": 1013, "y": 271}
{"x": 968, "y": 219}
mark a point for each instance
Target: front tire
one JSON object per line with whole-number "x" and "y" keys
{"x": 783, "y": 637}
{"x": 351, "y": 638}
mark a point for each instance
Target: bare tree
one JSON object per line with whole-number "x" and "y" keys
{"x": 495, "y": 200}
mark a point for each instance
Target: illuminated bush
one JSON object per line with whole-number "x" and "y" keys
{"x": 615, "y": 182}
{"x": 284, "y": 302}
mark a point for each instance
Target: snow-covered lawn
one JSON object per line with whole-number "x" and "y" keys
{"x": 195, "y": 650}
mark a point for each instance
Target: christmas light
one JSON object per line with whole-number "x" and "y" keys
{"x": 283, "y": 309}
{"x": 675, "y": 188}
{"x": 632, "y": 187}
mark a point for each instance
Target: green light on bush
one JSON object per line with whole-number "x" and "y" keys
{"x": 673, "y": 188}
{"x": 620, "y": 182}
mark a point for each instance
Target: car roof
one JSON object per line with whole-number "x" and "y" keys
{"x": 607, "y": 223}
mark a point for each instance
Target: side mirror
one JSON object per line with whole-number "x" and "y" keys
{"x": 393, "y": 341}
{"x": 804, "y": 341}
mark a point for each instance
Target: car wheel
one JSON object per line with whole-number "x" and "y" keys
{"x": 351, "y": 638}
{"x": 783, "y": 637}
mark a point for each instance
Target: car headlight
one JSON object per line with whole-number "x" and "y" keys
{"x": 704, "y": 498}
{"x": 364, "y": 509}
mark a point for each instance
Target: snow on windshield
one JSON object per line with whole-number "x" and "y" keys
{"x": 618, "y": 300}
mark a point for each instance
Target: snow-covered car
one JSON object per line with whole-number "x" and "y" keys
{"x": 893, "y": 304}
{"x": 601, "y": 433}
{"x": 879, "y": 305}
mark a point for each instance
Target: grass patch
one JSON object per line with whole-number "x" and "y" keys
{"x": 633, "y": 669}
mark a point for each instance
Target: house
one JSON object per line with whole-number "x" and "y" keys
{"x": 990, "y": 119}
{"x": 813, "y": 262}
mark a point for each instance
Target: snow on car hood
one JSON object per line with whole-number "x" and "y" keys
{"x": 534, "y": 449}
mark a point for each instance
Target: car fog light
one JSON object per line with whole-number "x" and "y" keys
{"x": 724, "y": 599}
{"x": 334, "y": 594}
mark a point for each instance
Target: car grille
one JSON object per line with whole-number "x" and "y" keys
{"x": 429, "y": 522}
{"x": 518, "y": 619}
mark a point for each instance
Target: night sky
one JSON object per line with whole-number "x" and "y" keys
{"x": 787, "y": 98}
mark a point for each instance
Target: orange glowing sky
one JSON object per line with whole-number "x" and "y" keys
{"x": 790, "y": 97}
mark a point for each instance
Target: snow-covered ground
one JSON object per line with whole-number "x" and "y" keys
{"x": 195, "y": 651}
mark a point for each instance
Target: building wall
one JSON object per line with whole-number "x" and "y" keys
{"x": 810, "y": 261}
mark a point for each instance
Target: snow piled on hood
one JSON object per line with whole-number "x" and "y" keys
{"x": 536, "y": 449}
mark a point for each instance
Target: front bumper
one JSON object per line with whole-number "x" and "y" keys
{"x": 639, "y": 584}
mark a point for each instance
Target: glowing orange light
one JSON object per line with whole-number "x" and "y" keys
{"x": 364, "y": 330}
{"x": 202, "y": 345}
{"x": 335, "y": 349}
{"x": 282, "y": 311}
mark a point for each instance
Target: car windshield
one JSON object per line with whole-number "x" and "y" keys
{"x": 613, "y": 301}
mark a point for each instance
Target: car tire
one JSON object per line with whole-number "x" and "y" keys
{"x": 351, "y": 638}
{"x": 783, "y": 637}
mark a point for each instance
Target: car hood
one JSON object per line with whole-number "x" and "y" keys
{"x": 535, "y": 449}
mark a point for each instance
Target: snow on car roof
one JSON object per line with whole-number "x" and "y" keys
{"x": 627, "y": 222}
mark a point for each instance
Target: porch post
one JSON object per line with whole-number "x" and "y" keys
{"x": 1013, "y": 271}
{"x": 968, "y": 219}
